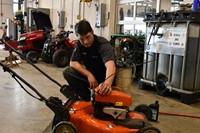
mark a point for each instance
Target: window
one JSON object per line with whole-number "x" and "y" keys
{"x": 15, "y": 5}
{"x": 131, "y": 14}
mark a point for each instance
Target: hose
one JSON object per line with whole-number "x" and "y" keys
{"x": 176, "y": 114}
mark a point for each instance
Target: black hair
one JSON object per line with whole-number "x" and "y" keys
{"x": 83, "y": 27}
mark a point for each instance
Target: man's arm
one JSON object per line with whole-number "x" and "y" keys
{"x": 108, "y": 56}
{"x": 81, "y": 69}
{"x": 105, "y": 88}
{"x": 110, "y": 72}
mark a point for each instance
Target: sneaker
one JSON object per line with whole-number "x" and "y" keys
{"x": 68, "y": 91}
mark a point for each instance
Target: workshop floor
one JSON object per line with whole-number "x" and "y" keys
{"x": 20, "y": 113}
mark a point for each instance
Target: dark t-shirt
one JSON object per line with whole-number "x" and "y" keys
{"x": 95, "y": 57}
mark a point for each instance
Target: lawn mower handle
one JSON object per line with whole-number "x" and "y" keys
{"x": 12, "y": 49}
{"x": 53, "y": 103}
{"x": 14, "y": 74}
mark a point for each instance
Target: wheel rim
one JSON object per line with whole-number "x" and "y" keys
{"x": 33, "y": 57}
{"x": 63, "y": 60}
{"x": 151, "y": 131}
{"x": 65, "y": 129}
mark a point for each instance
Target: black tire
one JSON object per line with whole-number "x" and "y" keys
{"x": 64, "y": 127}
{"x": 61, "y": 58}
{"x": 46, "y": 58}
{"x": 23, "y": 55}
{"x": 161, "y": 81}
{"x": 33, "y": 56}
{"x": 149, "y": 129}
{"x": 145, "y": 109}
{"x": 142, "y": 85}
{"x": 48, "y": 50}
{"x": 162, "y": 91}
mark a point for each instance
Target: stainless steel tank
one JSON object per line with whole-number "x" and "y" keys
{"x": 163, "y": 64}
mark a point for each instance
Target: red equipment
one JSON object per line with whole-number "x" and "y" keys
{"x": 31, "y": 43}
{"x": 58, "y": 49}
{"x": 105, "y": 114}
{"x": 82, "y": 114}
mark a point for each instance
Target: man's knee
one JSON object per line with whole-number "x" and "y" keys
{"x": 71, "y": 74}
{"x": 68, "y": 72}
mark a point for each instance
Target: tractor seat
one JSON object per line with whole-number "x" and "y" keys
{"x": 118, "y": 98}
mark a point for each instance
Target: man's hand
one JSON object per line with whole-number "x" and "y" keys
{"x": 92, "y": 81}
{"x": 80, "y": 68}
{"x": 104, "y": 89}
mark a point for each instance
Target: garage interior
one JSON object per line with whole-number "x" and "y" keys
{"x": 156, "y": 44}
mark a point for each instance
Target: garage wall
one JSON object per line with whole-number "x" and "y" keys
{"x": 165, "y": 5}
{"x": 88, "y": 12}
{"x": 188, "y": 1}
{"x": 6, "y": 10}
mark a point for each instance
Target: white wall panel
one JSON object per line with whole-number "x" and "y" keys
{"x": 88, "y": 12}
{"x": 6, "y": 10}
{"x": 188, "y": 1}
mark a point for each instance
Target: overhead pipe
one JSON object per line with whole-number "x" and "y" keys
{"x": 83, "y": 10}
{"x": 37, "y": 3}
{"x": 61, "y": 15}
{"x": 1, "y": 12}
{"x": 79, "y": 11}
{"x": 72, "y": 15}
{"x": 62, "y": 5}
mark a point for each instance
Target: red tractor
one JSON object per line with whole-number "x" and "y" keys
{"x": 31, "y": 43}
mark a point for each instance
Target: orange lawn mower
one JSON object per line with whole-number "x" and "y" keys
{"x": 103, "y": 114}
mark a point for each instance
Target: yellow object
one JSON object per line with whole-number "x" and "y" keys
{"x": 119, "y": 104}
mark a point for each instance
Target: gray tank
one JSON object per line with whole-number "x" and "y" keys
{"x": 163, "y": 64}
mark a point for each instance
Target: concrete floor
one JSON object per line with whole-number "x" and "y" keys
{"x": 20, "y": 113}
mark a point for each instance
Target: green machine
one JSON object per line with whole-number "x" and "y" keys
{"x": 129, "y": 51}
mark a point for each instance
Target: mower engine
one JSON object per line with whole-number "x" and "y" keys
{"x": 112, "y": 107}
